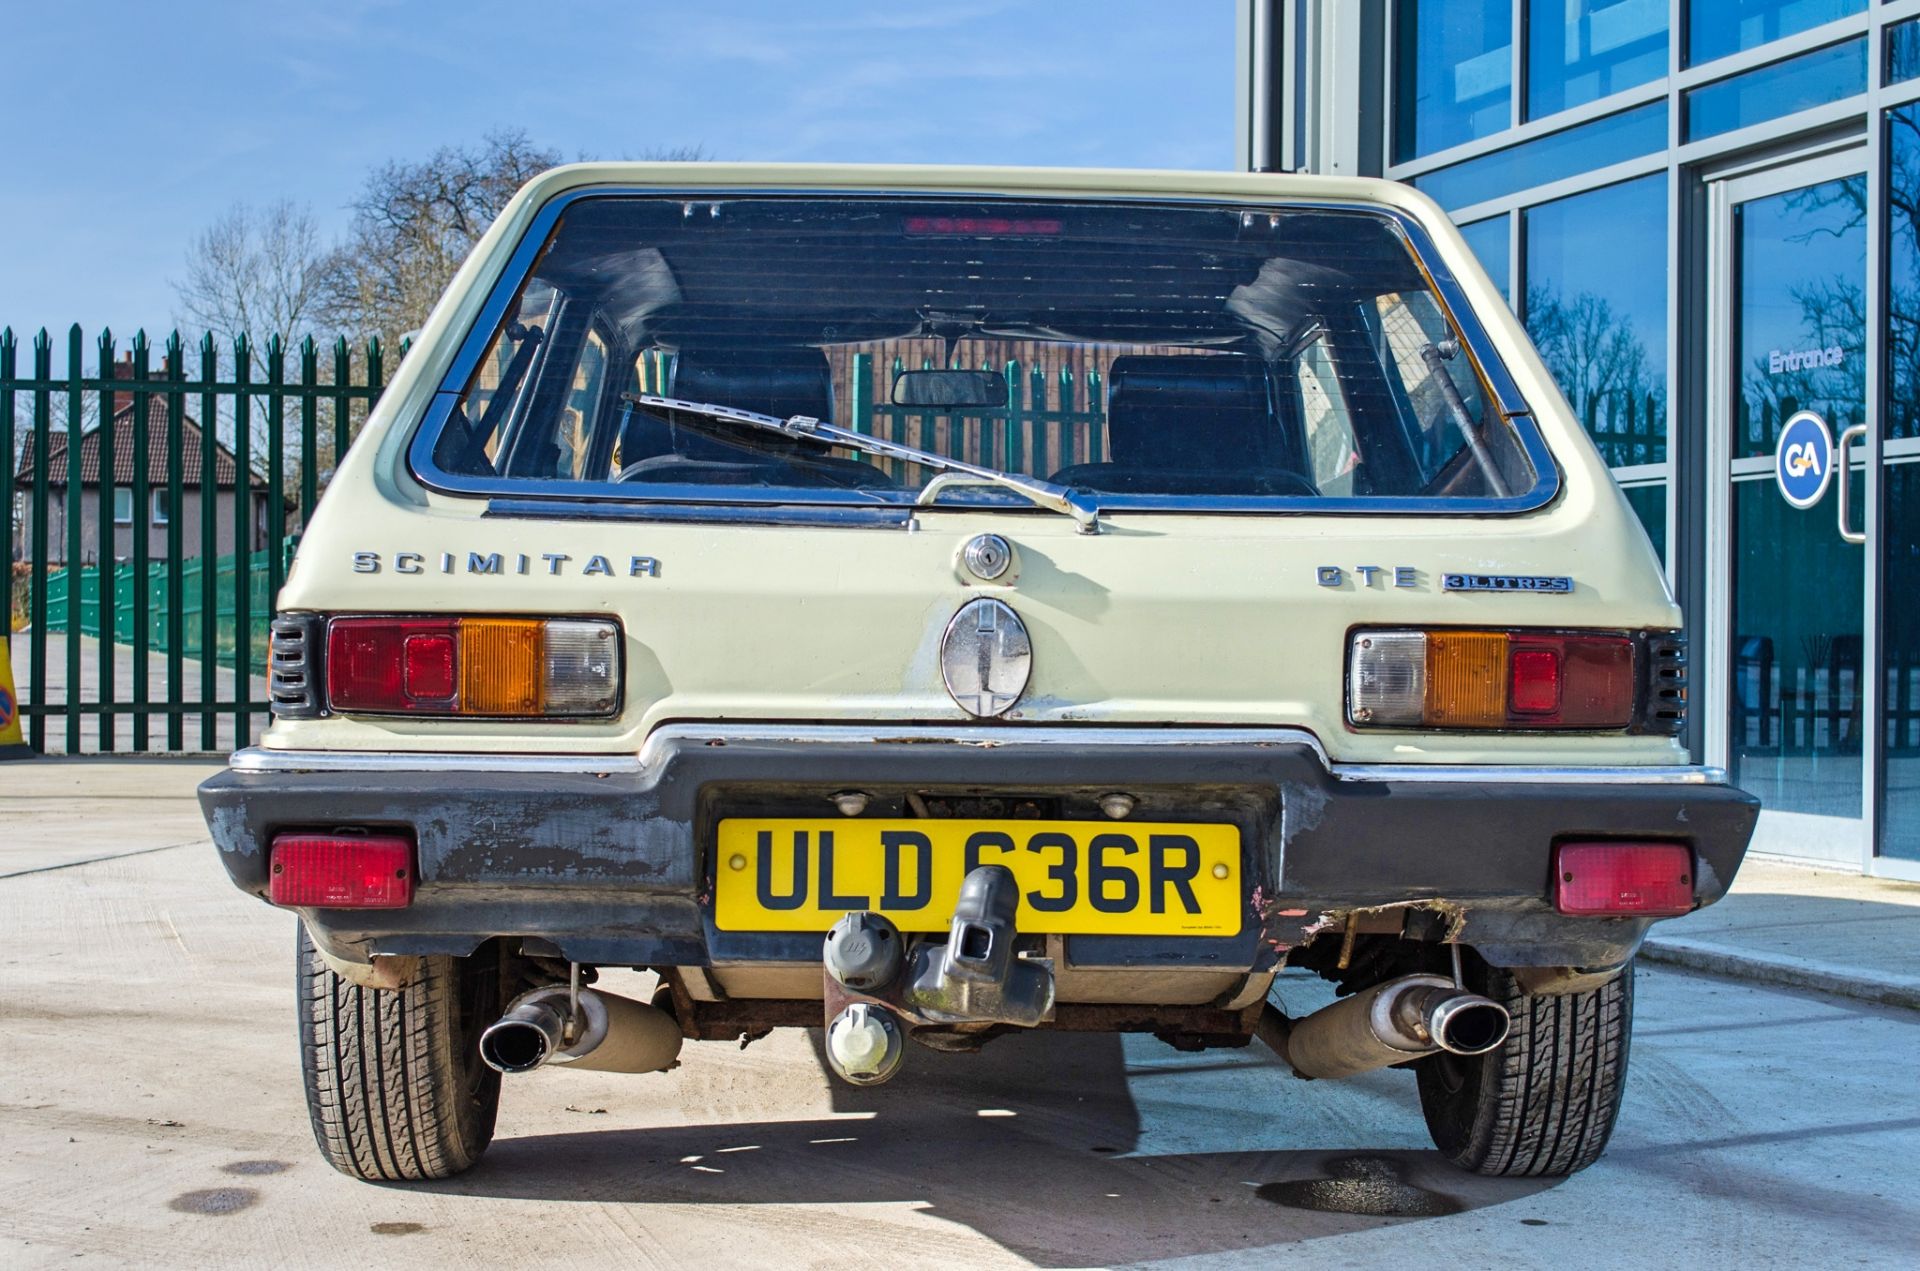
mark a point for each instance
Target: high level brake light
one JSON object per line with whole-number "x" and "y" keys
{"x": 1521, "y": 680}
{"x": 502, "y": 668}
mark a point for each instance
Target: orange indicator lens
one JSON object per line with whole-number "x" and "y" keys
{"x": 500, "y": 663}
{"x": 1466, "y": 679}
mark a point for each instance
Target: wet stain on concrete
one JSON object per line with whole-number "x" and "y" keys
{"x": 255, "y": 1168}
{"x": 1370, "y": 1186}
{"x": 395, "y": 1228}
{"x": 214, "y": 1201}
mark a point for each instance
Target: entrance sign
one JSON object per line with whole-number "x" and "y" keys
{"x": 1803, "y": 459}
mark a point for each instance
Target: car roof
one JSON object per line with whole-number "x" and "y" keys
{"x": 1039, "y": 182}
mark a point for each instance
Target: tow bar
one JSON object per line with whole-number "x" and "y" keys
{"x": 881, "y": 989}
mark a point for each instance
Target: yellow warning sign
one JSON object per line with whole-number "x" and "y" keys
{"x": 10, "y": 735}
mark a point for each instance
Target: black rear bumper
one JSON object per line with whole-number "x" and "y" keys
{"x": 613, "y": 866}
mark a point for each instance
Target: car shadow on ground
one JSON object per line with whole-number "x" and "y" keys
{"x": 1035, "y": 1143}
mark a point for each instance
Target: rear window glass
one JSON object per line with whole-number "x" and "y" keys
{"x": 1144, "y": 355}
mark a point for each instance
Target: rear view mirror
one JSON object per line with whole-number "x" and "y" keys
{"x": 949, "y": 389}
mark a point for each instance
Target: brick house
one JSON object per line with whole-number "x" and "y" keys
{"x": 128, "y": 519}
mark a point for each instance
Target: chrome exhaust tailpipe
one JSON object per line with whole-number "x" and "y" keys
{"x": 616, "y": 1034}
{"x": 1390, "y": 1023}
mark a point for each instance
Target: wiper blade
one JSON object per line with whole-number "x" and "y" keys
{"x": 1045, "y": 494}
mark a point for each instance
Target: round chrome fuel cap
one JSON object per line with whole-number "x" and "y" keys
{"x": 986, "y": 657}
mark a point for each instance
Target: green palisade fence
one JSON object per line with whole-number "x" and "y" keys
{"x": 197, "y": 472}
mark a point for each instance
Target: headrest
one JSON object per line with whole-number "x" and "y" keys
{"x": 1193, "y": 412}
{"x": 782, "y": 382}
{"x": 779, "y": 382}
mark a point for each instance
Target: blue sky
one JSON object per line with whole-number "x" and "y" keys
{"x": 133, "y": 125}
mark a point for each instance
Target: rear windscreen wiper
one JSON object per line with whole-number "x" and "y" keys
{"x": 1436, "y": 357}
{"x": 1057, "y": 498}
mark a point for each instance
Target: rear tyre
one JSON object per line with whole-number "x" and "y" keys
{"x": 1543, "y": 1104}
{"x": 395, "y": 1085}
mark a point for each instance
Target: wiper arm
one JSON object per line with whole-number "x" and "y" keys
{"x": 1045, "y": 494}
{"x": 1436, "y": 357}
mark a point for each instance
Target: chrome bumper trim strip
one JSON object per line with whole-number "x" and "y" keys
{"x": 259, "y": 759}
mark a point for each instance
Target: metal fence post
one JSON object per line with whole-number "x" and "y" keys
{"x": 276, "y": 466}
{"x": 1037, "y": 412}
{"x": 1097, "y": 413}
{"x": 76, "y": 516}
{"x": 1011, "y": 457}
{"x": 242, "y": 534}
{"x": 37, "y": 583}
{"x": 106, "y": 555}
{"x": 342, "y": 404}
{"x": 209, "y": 543}
{"x": 139, "y": 531}
{"x": 175, "y": 372}
{"x": 309, "y": 431}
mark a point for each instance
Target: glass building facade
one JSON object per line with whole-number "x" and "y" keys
{"x": 1707, "y": 215}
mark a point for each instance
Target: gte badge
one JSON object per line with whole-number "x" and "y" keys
{"x": 1803, "y": 459}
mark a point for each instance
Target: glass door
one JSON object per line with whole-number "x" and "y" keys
{"x": 1787, "y": 591}
{"x": 1898, "y": 529}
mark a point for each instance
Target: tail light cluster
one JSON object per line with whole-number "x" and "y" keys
{"x": 1512, "y": 680}
{"x": 501, "y": 668}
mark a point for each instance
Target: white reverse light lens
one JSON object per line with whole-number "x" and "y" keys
{"x": 583, "y": 660}
{"x": 1387, "y": 678}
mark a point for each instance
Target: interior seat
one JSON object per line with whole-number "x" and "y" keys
{"x": 782, "y": 382}
{"x": 1194, "y": 424}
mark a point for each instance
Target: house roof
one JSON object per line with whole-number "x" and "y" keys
{"x": 224, "y": 467}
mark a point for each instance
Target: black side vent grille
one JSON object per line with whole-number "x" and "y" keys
{"x": 1663, "y": 698}
{"x": 293, "y": 665}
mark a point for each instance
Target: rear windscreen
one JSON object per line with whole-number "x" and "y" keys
{"x": 1146, "y": 355}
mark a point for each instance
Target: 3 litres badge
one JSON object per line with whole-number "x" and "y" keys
{"x": 1803, "y": 459}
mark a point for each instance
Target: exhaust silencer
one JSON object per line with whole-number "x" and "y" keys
{"x": 616, "y": 1034}
{"x": 1391, "y": 1023}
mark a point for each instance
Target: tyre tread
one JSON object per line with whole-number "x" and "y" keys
{"x": 388, "y": 1089}
{"x": 1545, "y": 1102}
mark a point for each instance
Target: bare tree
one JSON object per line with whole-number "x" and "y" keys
{"x": 254, "y": 271}
{"x": 1603, "y": 367}
{"x": 415, "y": 222}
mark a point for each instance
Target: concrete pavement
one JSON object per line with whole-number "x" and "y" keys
{"x": 92, "y": 657}
{"x": 1830, "y": 931}
{"x": 150, "y": 1113}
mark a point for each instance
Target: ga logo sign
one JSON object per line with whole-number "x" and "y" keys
{"x": 1803, "y": 459}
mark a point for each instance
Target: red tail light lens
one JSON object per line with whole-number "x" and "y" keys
{"x": 1533, "y": 682}
{"x": 1606, "y": 880}
{"x": 1449, "y": 679}
{"x": 324, "y": 871}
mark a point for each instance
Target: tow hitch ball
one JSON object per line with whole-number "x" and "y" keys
{"x": 878, "y": 990}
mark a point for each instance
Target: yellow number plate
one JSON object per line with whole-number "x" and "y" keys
{"x": 1076, "y": 877}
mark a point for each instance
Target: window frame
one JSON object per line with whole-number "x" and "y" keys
{"x": 1507, "y": 406}
{"x": 119, "y": 517}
